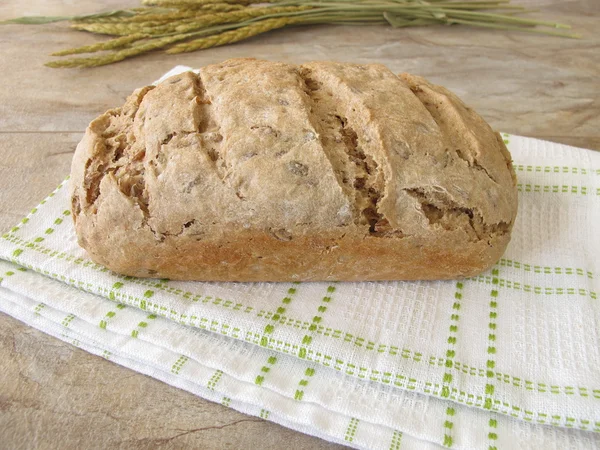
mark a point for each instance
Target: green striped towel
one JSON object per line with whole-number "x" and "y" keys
{"x": 508, "y": 358}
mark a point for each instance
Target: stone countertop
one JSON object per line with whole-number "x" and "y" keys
{"x": 54, "y": 394}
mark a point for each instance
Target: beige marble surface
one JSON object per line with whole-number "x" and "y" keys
{"x": 53, "y": 395}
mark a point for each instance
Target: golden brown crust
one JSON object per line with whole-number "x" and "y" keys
{"x": 262, "y": 171}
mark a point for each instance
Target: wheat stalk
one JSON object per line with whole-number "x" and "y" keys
{"x": 219, "y": 7}
{"x": 188, "y": 25}
{"x": 235, "y": 16}
{"x": 197, "y": 3}
{"x": 120, "y": 28}
{"x": 229, "y": 37}
{"x": 119, "y": 55}
{"x": 101, "y": 46}
{"x": 184, "y": 13}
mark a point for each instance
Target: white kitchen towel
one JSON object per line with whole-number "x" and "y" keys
{"x": 300, "y": 395}
{"x": 511, "y": 355}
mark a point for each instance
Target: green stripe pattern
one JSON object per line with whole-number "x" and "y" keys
{"x": 292, "y": 323}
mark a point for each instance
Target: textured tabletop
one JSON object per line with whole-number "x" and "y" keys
{"x": 52, "y": 393}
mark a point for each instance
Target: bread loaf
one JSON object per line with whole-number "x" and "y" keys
{"x": 264, "y": 171}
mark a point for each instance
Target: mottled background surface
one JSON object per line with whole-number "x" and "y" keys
{"x": 55, "y": 395}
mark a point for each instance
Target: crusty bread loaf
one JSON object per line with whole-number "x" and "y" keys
{"x": 264, "y": 171}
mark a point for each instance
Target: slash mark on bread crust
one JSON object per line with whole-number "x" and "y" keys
{"x": 440, "y": 209}
{"x": 356, "y": 171}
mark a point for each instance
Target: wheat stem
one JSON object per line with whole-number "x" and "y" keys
{"x": 197, "y": 3}
{"x": 119, "y": 55}
{"x": 229, "y": 37}
{"x": 516, "y": 28}
{"x": 119, "y": 29}
{"x": 236, "y": 16}
{"x": 208, "y": 23}
{"x": 185, "y": 13}
{"x": 100, "y": 46}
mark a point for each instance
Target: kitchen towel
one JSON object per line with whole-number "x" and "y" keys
{"x": 510, "y": 357}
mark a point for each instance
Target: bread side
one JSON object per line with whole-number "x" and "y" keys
{"x": 254, "y": 170}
